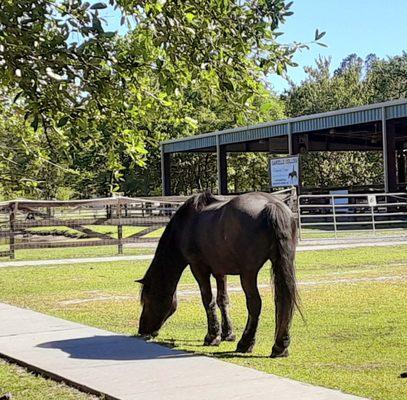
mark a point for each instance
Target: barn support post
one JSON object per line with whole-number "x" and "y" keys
{"x": 389, "y": 155}
{"x": 391, "y": 159}
{"x": 384, "y": 140}
{"x": 222, "y": 169}
{"x": 294, "y": 150}
{"x": 401, "y": 170}
{"x": 165, "y": 172}
{"x": 289, "y": 138}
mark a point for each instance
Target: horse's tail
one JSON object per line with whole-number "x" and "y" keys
{"x": 284, "y": 231}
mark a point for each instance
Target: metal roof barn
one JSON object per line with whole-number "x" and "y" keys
{"x": 380, "y": 127}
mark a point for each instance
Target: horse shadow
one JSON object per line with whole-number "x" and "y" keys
{"x": 233, "y": 354}
{"x": 216, "y": 353}
{"x": 129, "y": 348}
{"x": 114, "y": 348}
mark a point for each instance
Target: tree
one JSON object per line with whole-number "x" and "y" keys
{"x": 387, "y": 79}
{"x": 26, "y": 168}
{"x": 322, "y": 91}
{"x": 249, "y": 171}
{"x": 95, "y": 97}
{"x": 193, "y": 172}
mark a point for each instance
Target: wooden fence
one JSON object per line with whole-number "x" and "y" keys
{"x": 35, "y": 224}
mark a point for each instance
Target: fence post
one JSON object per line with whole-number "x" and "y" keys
{"x": 299, "y": 217}
{"x": 12, "y": 220}
{"x": 119, "y": 229}
{"x": 373, "y": 220}
{"x": 334, "y": 216}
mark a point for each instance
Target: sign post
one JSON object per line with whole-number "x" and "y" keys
{"x": 284, "y": 171}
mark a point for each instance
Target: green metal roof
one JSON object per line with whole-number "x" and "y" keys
{"x": 308, "y": 123}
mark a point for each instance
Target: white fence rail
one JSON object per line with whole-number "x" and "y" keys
{"x": 346, "y": 215}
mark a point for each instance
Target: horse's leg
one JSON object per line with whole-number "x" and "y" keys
{"x": 222, "y": 299}
{"x": 253, "y": 302}
{"x": 202, "y": 275}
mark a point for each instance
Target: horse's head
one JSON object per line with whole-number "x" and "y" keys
{"x": 158, "y": 306}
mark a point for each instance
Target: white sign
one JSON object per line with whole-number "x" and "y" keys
{"x": 371, "y": 199}
{"x": 284, "y": 171}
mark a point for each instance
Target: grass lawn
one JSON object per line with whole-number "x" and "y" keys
{"x": 112, "y": 230}
{"x": 155, "y": 234}
{"x": 127, "y": 230}
{"x": 61, "y": 230}
{"x": 25, "y": 386}
{"x": 309, "y": 233}
{"x": 355, "y": 338}
{"x": 109, "y": 230}
{"x": 76, "y": 252}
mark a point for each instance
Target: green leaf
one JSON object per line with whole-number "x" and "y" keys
{"x": 192, "y": 122}
{"x": 63, "y": 121}
{"x": 190, "y": 17}
{"x": 109, "y": 34}
{"x": 98, "y": 6}
{"x": 17, "y": 96}
{"x": 34, "y": 123}
{"x": 319, "y": 35}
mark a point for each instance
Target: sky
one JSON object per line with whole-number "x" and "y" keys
{"x": 351, "y": 26}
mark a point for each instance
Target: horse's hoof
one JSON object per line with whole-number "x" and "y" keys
{"x": 244, "y": 347}
{"x": 278, "y": 353}
{"x": 231, "y": 337}
{"x": 212, "y": 340}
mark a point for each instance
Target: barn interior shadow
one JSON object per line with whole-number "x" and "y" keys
{"x": 113, "y": 347}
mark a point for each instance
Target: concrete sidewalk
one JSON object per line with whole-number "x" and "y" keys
{"x": 127, "y": 368}
{"x": 303, "y": 246}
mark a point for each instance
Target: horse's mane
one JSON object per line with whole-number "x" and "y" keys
{"x": 202, "y": 200}
{"x": 198, "y": 203}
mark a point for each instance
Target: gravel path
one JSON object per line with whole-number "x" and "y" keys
{"x": 303, "y": 246}
{"x": 100, "y": 297}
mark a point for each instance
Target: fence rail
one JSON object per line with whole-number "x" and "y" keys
{"x": 344, "y": 214}
{"x": 36, "y": 224}
{"x": 33, "y": 224}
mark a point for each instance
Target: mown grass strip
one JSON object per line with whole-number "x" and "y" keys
{"x": 354, "y": 339}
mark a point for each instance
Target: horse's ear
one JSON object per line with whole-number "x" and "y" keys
{"x": 142, "y": 281}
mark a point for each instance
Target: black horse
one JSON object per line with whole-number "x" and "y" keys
{"x": 293, "y": 174}
{"x": 225, "y": 237}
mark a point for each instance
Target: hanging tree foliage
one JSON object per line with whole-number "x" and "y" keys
{"x": 93, "y": 98}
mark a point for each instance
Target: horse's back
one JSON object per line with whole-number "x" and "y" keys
{"x": 231, "y": 235}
